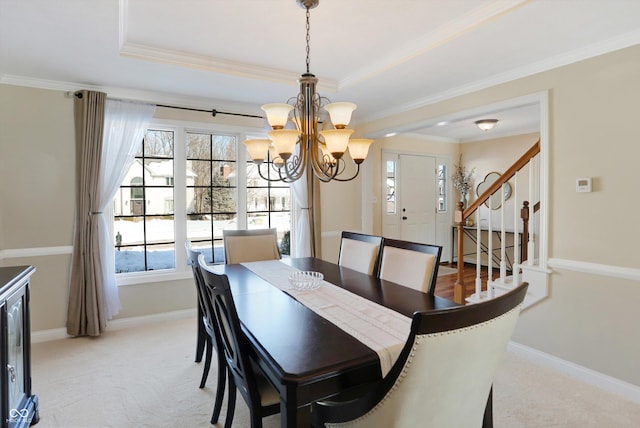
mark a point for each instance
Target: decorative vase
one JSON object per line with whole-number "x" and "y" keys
{"x": 463, "y": 199}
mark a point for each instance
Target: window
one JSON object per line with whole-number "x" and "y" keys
{"x": 206, "y": 177}
{"x": 391, "y": 187}
{"x": 143, "y": 222}
{"x": 211, "y": 191}
{"x": 268, "y": 202}
{"x": 442, "y": 188}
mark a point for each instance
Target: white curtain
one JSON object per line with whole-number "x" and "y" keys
{"x": 302, "y": 205}
{"x": 124, "y": 126}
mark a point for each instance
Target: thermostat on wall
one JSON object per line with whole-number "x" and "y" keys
{"x": 583, "y": 184}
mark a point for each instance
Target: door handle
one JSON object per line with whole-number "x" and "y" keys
{"x": 404, "y": 217}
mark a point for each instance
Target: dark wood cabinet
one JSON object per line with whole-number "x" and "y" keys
{"x": 19, "y": 405}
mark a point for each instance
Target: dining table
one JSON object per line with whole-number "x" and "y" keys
{"x": 306, "y": 356}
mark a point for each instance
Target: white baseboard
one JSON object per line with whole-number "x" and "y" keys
{"x": 117, "y": 324}
{"x": 592, "y": 377}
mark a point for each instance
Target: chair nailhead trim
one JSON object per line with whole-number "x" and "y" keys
{"x": 407, "y": 364}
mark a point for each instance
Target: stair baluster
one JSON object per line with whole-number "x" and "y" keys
{"x": 478, "y": 256}
{"x": 461, "y": 215}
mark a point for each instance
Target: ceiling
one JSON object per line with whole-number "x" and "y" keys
{"x": 386, "y": 56}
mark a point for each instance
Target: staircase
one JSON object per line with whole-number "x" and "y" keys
{"x": 524, "y": 260}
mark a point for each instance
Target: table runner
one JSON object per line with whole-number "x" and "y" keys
{"x": 380, "y": 328}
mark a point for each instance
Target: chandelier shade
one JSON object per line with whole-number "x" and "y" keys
{"x": 284, "y": 141}
{"x": 277, "y": 114}
{"x": 314, "y": 144}
{"x": 258, "y": 149}
{"x": 336, "y": 140}
{"x": 359, "y": 148}
{"x": 340, "y": 113}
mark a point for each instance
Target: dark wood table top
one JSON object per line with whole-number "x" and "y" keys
{"x": 305, "y": 356}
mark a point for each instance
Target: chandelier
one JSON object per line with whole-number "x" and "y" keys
{"x": 292, "y": 151}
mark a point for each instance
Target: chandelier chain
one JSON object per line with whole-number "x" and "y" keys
{"x": 308, "y": 39}
{"x": 290, "y": 153}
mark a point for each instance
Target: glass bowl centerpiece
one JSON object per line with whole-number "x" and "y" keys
{"x": 305, "y": 280}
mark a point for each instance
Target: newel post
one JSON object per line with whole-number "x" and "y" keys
{"x": 524, "y": 215}
{"x": 458, "y": 287}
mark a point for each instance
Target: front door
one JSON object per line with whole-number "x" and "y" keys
{"x": 409, "y": 212}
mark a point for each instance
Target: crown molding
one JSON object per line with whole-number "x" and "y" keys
{"x": 606, "y": 46}
{"x": 617, "y": 43}
{"x": 433, "y": 40}
{"x": 131, "y": 94}
{"x": 53, "y": 85}
{"x": 203, "y": 62}
{"x": 217, "y": 65}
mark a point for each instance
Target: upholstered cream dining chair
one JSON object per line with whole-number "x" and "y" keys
{"x": 360, "y": 252}
{"x": 443, "y": 376}
{"x": 410, "y": 264}
{"x": 250, "y": 245}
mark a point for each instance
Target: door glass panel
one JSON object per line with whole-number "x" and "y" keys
{"x": 442, "y": 188}
{"x": 391, "y": 187}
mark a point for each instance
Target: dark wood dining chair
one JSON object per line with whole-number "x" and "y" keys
{"x": 444, "y": 374}
{"x": 410, "y": 264}
{"x": 208, "y": 334}
{"x": 359, "y": 251}
{"x": 250, "y": 245}
{"x": 244, "y": 375}
{"x": 201, "y": 332}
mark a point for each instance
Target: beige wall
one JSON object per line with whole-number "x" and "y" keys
{"x": 37, "y": 170}
{"x": 37, "y": 175}
{"x": 340, "y": 207}
{"x": 590, "y": 320}
{"x": 37, "y": 167}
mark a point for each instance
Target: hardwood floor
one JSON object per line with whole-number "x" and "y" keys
{"x": 444, "y": 284}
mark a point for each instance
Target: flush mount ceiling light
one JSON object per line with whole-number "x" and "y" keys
{"x": 292, "y": 150}
{"x": 486, "y": 124}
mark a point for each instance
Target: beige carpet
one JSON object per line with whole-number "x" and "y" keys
{"x": 146, "y": 377}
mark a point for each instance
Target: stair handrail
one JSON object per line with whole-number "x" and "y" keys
{"x": 506, "y": 176}
{"x": 460, "y": 217}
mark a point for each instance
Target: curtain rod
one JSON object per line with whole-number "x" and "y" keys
{"x": 213, "y": 112}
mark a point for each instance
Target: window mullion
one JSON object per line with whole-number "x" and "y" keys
{"x": 242, "y": 182}
{"x": 180, "y": 197}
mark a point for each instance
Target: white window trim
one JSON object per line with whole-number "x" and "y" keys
{"x": 182, "y": 270}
